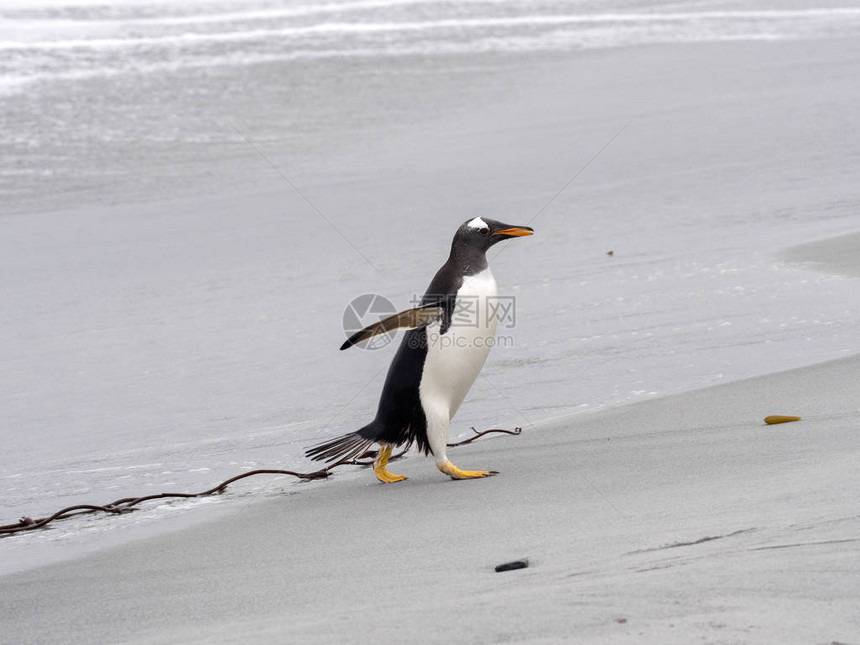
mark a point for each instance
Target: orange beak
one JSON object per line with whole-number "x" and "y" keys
{"x": 515, "y": 231}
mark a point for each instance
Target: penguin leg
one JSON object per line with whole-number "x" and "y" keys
{"x": 437, "y": 437}
{"x": 455, "y": 473}
{"x": 379, "y": 464}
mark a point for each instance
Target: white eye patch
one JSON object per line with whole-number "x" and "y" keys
{"x": 477, "y": 223}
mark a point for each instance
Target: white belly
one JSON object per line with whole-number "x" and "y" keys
{"x": 455, "y": 359}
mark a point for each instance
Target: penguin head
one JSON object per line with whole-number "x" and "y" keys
{"x": 481, "y": 233}
{"x": 474, "y": 238}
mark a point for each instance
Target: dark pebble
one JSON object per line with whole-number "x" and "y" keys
{"x": 510, "y": 566}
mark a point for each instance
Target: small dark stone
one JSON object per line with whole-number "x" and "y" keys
{"x": 510, "y": 566}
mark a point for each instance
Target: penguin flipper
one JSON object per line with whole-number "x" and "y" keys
{"x": 409, "y": 319}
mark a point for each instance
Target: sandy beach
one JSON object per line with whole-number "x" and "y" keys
{"x": 684, "y": 519}
{"x": 174, "y": 301}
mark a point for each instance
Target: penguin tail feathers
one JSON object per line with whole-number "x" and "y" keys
{"x": 344, "y": 448}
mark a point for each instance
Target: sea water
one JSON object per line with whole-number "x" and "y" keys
{"x": 117, "y": 101}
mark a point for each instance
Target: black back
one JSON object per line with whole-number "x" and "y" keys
{"x": 400, "y": 418}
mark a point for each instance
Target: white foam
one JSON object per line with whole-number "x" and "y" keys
{"x": 745, "y": 18}
{"x": 270, "y": 14}
{"x": 52, "y": 48}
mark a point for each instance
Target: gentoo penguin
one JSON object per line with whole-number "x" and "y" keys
{"x": 450, "y": 334}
